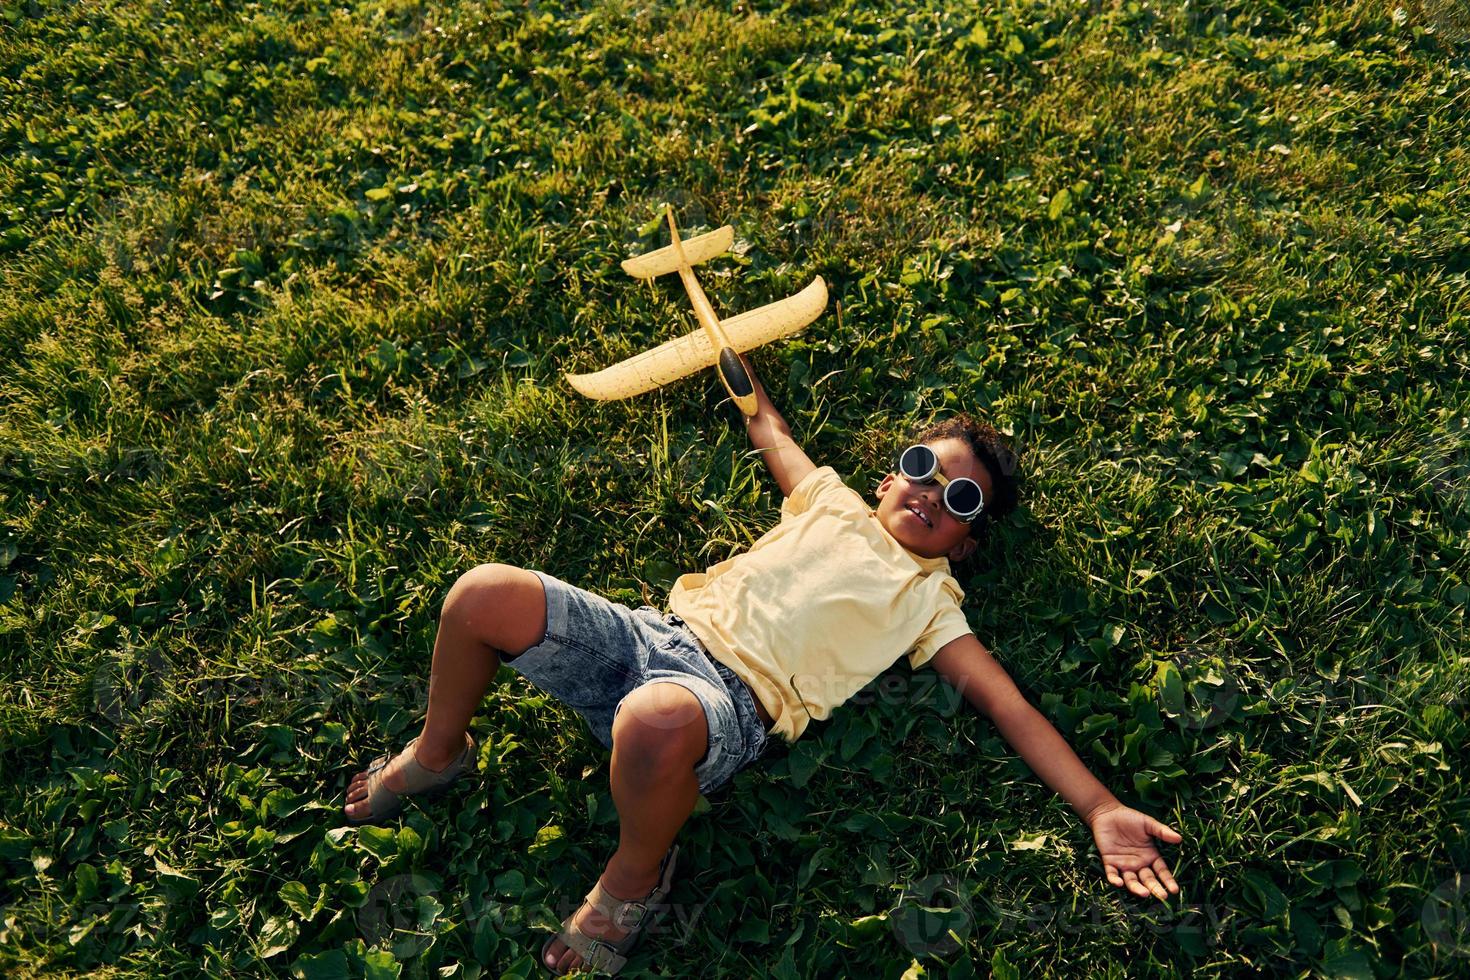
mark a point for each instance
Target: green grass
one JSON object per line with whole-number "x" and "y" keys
{"x": 286, "y": 294}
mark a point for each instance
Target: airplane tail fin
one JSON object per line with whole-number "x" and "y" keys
{"x": 661, "y": 261}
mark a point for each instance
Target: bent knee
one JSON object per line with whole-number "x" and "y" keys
{"x": 662, "y": 724}
{"x": 500, "y": 605}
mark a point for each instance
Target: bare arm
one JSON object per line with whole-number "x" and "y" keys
{"x": 970, "y": 668}
{"x": 1123, "y": 835}
{"x": 770, "y": 434}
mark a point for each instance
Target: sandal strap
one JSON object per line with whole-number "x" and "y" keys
{"x": 597, "y": 954}
{"x": 383, "y": 803}
{"x": 633, "y": 913}
{"x": 417, "y": 778}
{"x": 610, "y": 955}
{"x": 623, "y": 914}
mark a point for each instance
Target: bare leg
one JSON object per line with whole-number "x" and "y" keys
{"x": 659, "y": 736}
{"x": 493, "y": 611}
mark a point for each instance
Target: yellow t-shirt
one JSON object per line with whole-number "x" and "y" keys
{"x": 819, "y": 606}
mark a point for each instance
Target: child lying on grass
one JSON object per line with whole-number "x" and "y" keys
{"x": 753, "y": 648}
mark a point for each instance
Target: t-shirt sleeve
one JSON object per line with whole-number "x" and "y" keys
{"x": 821, "y": 487}
{"x": 948, "y": 624}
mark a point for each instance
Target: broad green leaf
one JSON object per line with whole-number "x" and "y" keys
{"x": 804, "y": 761}
{"x": 277, "y": 936}
{"x": 1061, "y": 203}
{"x": 869, "y": 926}
{"x": 381, "y": 842}
{"x": 331, "y": 965}
{"x": 14, "y": 844}
{"x": 283, "y": 802}
{"x": 297, "y": 898}
{"x": 1002, "y": 968}
{"x": 510, "y": 884}
{"x": 754, "y": 930}
{"x": 547, "y": 839}
{"x": 83, "y": 929}
{"x": 379, "y": 964}
{"x": 1171, "y": 688}
{"x": 409, "y": 842}
{"x": 427, "y": 910}
{"x": 486, "y": 940}
{"x": 178, "y": 885}
{"x": 85, "y": 878}
{"x": 1268, "y": 897}
{"x": 781, "y": 827}
{"x": 1345, "y": 963}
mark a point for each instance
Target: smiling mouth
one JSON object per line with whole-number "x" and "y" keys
{"x": 912, "y": 509}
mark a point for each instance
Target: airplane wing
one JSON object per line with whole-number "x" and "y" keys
{"x": 699, "y": 249}
{"x": 692, "y": 352}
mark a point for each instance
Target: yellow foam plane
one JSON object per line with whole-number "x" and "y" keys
{"x": 717, "y": 343}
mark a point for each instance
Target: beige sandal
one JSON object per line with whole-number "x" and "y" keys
{"x": 608, "y": 956}
{"x": 383, "y": 803}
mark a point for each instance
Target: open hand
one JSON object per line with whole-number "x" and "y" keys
{"x": 1124, "y": 838}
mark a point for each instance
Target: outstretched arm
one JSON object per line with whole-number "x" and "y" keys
{"x": 1124, "y": 836}
{"x": 770, "y": 434}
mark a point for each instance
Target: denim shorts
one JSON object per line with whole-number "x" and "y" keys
{"x": 596, "y": 651}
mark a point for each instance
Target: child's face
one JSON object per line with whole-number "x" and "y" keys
{"x": 932, "y": 532}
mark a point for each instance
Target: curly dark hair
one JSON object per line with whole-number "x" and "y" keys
{"x": 1000, "y": 460}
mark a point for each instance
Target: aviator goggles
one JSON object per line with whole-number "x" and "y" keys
{"x": 962, "y": 497}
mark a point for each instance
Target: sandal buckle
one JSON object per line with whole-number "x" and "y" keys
{"x": 599, "y": 955}
{"x": 621, "y": 918}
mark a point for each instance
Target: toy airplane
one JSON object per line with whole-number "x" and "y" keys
{"x": 717, "y": 343}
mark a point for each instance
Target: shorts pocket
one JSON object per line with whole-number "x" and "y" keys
{"x": 573, "y": 674}
{"x": 681, "y": 643}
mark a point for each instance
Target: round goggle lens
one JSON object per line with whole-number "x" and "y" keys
{"x": 918, "y": 463}
{"x": 963, "y": 497}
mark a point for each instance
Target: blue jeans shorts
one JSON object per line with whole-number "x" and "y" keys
{"x": 596, "y": 651}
